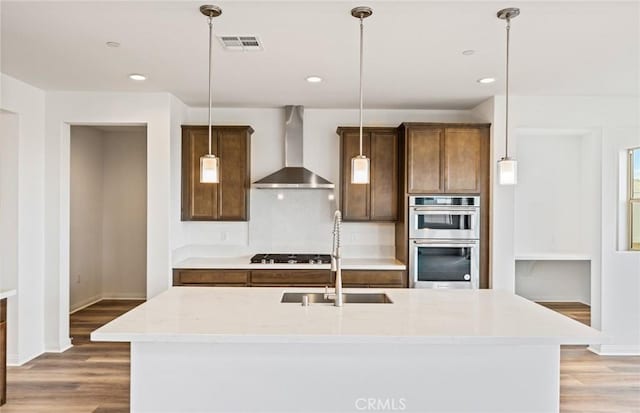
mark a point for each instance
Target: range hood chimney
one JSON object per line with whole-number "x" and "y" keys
{"x": 293, "y": 175}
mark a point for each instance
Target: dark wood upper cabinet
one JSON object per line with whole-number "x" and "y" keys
{"x": 444, "y": 158}
{"x": 229, "y": 199}
{"x": 235, "y": 179}
{"x": 424, "y": 160}
{"x": 462, "y": 160}
{"x": 378, "y": 200}
{"x": 384, "y": 175}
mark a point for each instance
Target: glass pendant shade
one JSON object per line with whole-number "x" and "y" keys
{"x": 209, "y": 169}
{"x": 508, "y": 171}
{"x": 360, "y": 168}
{"x": 209, "y": 163}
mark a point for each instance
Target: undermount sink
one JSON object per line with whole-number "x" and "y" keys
{"x": 349, "y": 298}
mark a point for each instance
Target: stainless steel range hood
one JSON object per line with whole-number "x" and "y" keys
{"x": 293, "y": 175}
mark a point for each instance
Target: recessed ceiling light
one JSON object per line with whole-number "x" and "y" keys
{"x": 112, "y": 44}
{"x": 468, "y": 52}
{"x": 487, "y": 80}
{"x": 137, "y": 76}
{"x": 314, "y": 79}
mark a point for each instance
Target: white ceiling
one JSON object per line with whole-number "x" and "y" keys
{"x": 413, "y": 50}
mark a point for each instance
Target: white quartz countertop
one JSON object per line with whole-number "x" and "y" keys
{"x": 418, "y": 316}
{"x": 7, "y": 293}
{"x": 244, "y": 262}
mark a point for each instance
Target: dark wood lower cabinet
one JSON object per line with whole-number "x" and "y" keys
{"x": 3, "y": 351}
{"x": 377, "y": 279}
{"x": 288, "y": 278}
{"x": 267, "y": 278}
{"x": 210, "y": 278}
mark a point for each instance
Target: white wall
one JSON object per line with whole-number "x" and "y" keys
{"x": 9, "y": 214}
{"x": 502, "y": 237}
{"x": 620, "y": 289}
{"x": 9, "y": 142}
{"x": 108, "y": 214}
{"x": 615, "y": 274}
{"x": 26, "y": 309}
{"x": 86, "y": 190}
{"x": 553, "y": 214}
{"x": 85, "y": 108}
{"x": 303, "y": 218}
{"x": 124, "y": 218}
{"x": 556, "y": 280}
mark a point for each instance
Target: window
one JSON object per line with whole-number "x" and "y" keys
{"x": 634, "y": 198}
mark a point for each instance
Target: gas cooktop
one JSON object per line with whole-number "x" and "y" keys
{"x": 291, "y": 259}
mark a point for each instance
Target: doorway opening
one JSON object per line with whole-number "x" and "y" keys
{"x": 108, "y": 214}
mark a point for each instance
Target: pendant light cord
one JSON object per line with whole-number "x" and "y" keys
{"x": 210, "y": 76}
{"x": 506, "y": 122}
{"x": 361, "y": 89}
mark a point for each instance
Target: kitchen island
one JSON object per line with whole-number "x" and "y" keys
{"x": 242, "y": 350}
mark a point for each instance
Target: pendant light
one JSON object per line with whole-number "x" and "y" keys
{"x": 507, "y": 167}
{"x": 209, "y": 163}
{"x": 360, "y": 165}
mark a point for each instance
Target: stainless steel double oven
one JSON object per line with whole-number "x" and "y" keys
{"x": 444, "y": 241}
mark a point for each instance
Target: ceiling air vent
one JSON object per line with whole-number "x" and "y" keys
{"x": 241, "y": 43}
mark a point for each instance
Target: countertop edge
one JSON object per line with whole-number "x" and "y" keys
{"x": 7, "y": 294}
{"x": 242, "y": 263}
{"x": 323, "y": 339}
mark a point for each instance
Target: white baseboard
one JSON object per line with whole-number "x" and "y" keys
{"x": 615, "y": 350}
{"x": 15, "y": 360}
{"x": 64, "y": 345}
{"x": 556, "y": 300}
{"x": 85, "y": 303}
{"x": 123, "y": 296}
{"x": 109, "y": 296}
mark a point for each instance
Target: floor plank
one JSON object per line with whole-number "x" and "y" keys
{"x": 94, "y": 377}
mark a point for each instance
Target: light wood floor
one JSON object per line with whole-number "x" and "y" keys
{"x": 94, "y": 377}
{"x": 590, "y": 383}
{"x": 89, "y": 377}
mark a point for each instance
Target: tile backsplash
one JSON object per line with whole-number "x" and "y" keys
{"x": 289, "y": 220}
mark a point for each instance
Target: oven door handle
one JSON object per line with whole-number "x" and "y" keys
{"x": 439, "y": 211}
{"x": 444, "y": 244}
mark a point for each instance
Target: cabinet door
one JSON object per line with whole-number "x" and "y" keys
{"x": 290, "y": 277}
{"x": 355, "y": 197}
{"x": 210, "y": 277}
{"x": 234, "y": 179}
{"x": 199, "y": 201}
{"x": 462, "y": 160}
{"x": 424, "y": 148}
{"x": 384, "y": 176}
{"x": 369, "y": 278}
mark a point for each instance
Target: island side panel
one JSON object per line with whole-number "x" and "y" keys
{"x": 189, "y": 377}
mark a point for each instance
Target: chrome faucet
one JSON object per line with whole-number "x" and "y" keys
{"x": 336, "y": 261}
